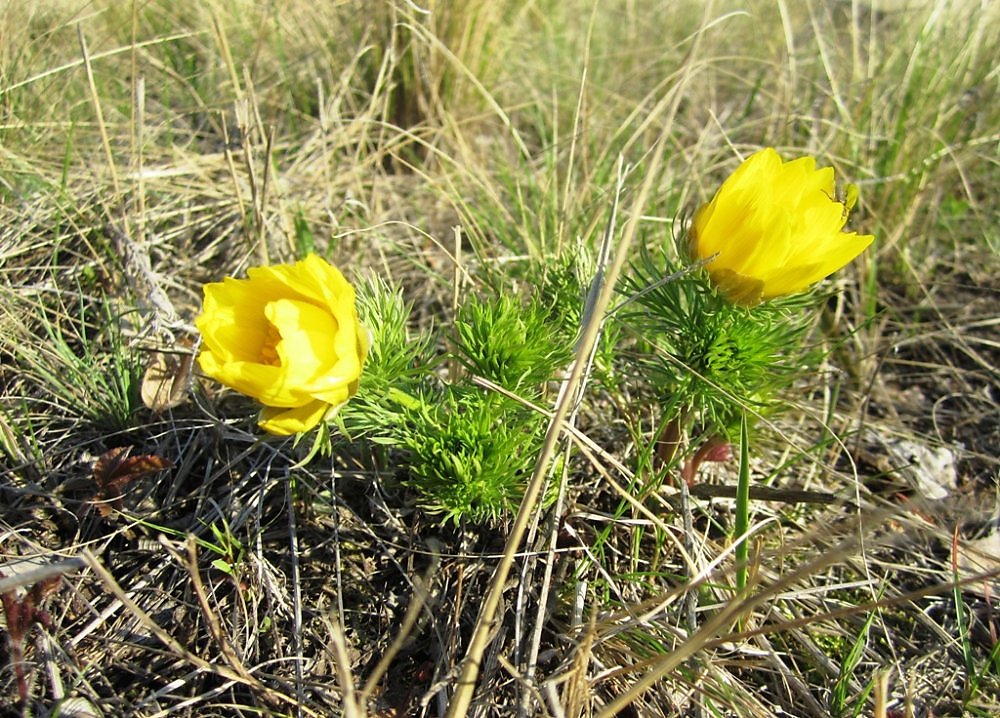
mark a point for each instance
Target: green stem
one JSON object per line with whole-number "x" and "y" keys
{"x": 742, "y": 506}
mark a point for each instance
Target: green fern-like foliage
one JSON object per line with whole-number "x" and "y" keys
{"x": 708, "y": 358}
{"x": 512, "y": 343}
{"x": 399, "y": 362}
{"x": 561, "y": 285}
{"x": 469, "y": 453}
{"x": 397, "y": 355}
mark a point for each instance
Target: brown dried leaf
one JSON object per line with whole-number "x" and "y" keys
{"x": 166, "y": 381}
{"x": 115, "y": 469}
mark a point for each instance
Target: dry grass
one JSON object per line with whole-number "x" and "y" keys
{"x": 147, "y": 148}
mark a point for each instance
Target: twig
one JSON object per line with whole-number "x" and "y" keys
{"x": 342, "y": 663}
{"x": 293, "y": 542}
{"x": 190, "y": 563}
{"x": 459, "y": 705}
{"x": 41, "y": 573}
{"x": 98, "y": 112}
{"x": 604, "y": 255}
{"x": 691, "y": 597}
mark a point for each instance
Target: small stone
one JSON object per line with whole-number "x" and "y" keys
{"x": 930, "y": 471}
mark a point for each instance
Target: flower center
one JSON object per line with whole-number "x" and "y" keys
{"x": 268, "y": 351}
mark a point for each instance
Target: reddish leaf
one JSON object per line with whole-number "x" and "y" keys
{"x": 21, "y": 614}
{"x": 115, "y": 469}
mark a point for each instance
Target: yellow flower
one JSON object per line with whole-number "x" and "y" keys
{"x": 289, "y": 337}
{"x": 774, "y": 228}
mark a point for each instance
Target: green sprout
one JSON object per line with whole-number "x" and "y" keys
{"x": 510, "y": 343}
{"x": 709, "y": 360}
{"x": 467, "y": 451}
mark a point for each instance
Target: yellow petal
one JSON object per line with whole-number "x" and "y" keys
{"x": 789, "y": 281}
{"x": 306, "y": 349}
{"x": 232, "y": 322}
{"x": 762, "y": 166}
{"x": 313, "y": 279}
{"x": 837, "y": 254}
{"x": 284, "y": 422}
{"x": 263, "y": 382}
{"x": 289, "y": 337}
{"x": 763, "y": 240}
{"x": 317, "y": 357}
{"x": 774, "y": 228}
{"x": 328, "y": 282}
{"x": 841, "y": 252}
